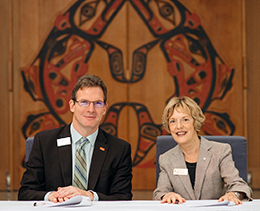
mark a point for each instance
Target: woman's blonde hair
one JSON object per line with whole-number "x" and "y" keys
{"x": 187, "y": 105}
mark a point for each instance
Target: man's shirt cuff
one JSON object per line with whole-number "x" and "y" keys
{"x": 96, "y": 198}
{"x": 46, "y": 197}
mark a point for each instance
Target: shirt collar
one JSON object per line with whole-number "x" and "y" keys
{"x": 76, "y": 136}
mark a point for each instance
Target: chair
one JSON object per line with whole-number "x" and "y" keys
{"x": 238, "y": 145}
{"x": 28, "y": 147}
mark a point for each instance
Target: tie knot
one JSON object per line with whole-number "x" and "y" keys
{"x": 83, "y": 141}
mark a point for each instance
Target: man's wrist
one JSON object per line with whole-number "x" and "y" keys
{"x": 92, "y": 195}
{"x": 46, "y": 197}
{"x": 96, "y": 198}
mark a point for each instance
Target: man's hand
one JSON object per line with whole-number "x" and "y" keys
{"x": 65, "y": 193}
{"x": 52, "y": 198}
{"x": 173, "y": 198}
{"x": 230, "y": 196}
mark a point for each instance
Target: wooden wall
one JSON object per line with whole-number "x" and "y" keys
{"x": 6, "y": 99}
{"x": 27, "y": 24}
{"x": 253, "y": 88}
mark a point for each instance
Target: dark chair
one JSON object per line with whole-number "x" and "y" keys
{"x": 28, "y": 147}
{"x": 237, "y": 143}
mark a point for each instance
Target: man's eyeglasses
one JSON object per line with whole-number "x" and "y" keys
{"x": 97, "y": 104}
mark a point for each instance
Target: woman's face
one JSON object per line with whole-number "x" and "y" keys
{"x": 182, "y": 128}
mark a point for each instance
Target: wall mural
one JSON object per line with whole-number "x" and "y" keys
{"x": 184, "y": 44}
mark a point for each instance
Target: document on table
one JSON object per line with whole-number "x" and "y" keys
{"x": 74, "y": 201}
{"x": 207, "y": 203}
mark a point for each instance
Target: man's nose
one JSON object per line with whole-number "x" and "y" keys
{"x": 91, "y": 107}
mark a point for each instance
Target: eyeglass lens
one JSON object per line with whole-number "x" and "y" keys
{"x": 96, "y": 104}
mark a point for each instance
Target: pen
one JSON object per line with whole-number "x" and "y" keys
{"x": 39, "y": 204}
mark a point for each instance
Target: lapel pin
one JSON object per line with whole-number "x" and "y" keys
{"x": 102, "y": 148}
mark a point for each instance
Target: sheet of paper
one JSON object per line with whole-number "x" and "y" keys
{"x": 207, "y": 203}
{"x": 74, "y": 201}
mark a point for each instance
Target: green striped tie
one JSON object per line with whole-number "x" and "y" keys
{"x": 80, "y": 171}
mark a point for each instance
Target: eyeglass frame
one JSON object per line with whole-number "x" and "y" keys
{"x": 87, "y": 104}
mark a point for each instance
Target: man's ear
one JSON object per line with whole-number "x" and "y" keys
{"x": 105, "y": 108}
{"x": 72, "y": 105}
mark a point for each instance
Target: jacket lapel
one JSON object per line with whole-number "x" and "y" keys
{"x": 98, "y": 158}
{"x": 179, "y": 162}
{"x": 64, "y": 158}
{"x": 202, "y": 166}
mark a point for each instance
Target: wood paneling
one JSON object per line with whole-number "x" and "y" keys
{"x": 6, "y": 91}
{"x": 253, "y": 98}
{"x": 32, "y": 21}
{"x": 223, "y": 22}
{"x": 128, "y": 32}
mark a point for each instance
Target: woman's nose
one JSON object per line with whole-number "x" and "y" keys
{"x": 179, "y": 124}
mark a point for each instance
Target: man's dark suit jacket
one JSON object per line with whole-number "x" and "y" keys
{"x": 50, "y": 167}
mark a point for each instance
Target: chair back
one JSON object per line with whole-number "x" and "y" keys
{"x": 238, "y": 145}
{"x": 28, "y": 147}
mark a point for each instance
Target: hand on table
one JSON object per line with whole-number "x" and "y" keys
{"x": 230, "y": 196}
{"x": 173, "y": 198}
{"x": 65, "y": 193}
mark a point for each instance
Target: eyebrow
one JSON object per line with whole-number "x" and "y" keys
{"x": 91, "y": 101}
{"x": 181, "y": 117}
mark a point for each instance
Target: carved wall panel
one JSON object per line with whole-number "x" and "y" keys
{"x": 145, "y": 51}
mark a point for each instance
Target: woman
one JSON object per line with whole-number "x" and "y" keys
{"x": 196, "y": 168}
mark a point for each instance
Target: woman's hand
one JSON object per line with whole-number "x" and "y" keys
{"x": 173, "y": 198}
{"x": 230, "y": 196}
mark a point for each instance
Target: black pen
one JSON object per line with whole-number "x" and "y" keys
{"x": 39, "y": 204}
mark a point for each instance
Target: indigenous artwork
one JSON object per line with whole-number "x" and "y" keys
{"x": 192, "y": 64}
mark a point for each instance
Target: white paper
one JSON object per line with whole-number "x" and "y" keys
{"x": 74, "y": 201}
{"x": 207, "y": 203}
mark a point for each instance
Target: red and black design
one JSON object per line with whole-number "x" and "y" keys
{"x": 193, "y": 63}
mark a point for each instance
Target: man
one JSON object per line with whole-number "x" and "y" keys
{"x": 56, "y": 169}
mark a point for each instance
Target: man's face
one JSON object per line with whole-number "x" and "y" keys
{"x": 86, "y": 119}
